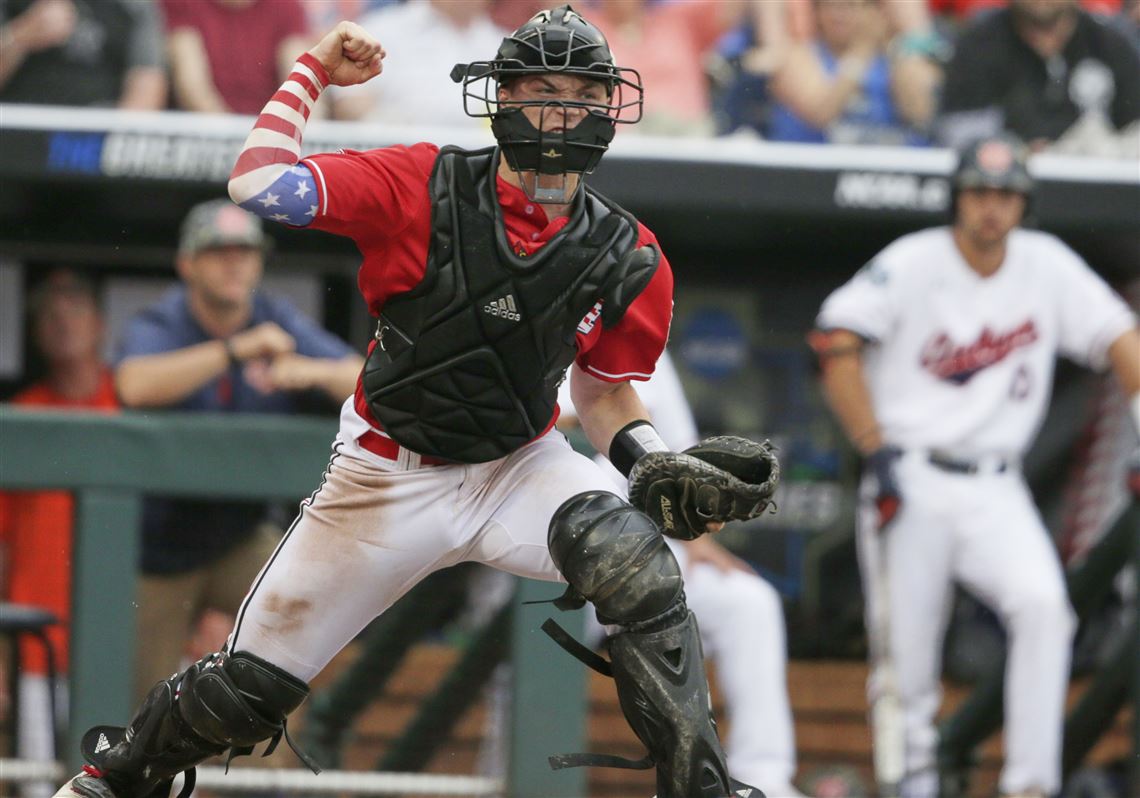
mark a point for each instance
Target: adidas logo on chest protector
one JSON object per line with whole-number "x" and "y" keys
{"x": 503, "y": 308}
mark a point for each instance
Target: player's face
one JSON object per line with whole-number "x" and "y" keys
{"x": 225, "y": 277}
{"x": 568, "y": 94}
{"x": 987, "y": 215}
{"x": 68, "y": 327}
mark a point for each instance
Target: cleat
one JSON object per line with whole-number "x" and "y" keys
{"x": 85, "y": 785}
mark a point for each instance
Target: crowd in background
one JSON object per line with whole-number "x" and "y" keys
{"x": 1060, "y": 73}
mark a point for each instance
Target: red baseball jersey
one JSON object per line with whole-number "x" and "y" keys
{"x": 380, "y": 199}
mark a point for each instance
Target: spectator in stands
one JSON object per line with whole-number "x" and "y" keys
{"x": 217, "y": 344}
{"x": 509, "y": 14}
{"x": 1038, "y": 68}
{"x": 65, "y": 52}
{"x": 67, "y": 330}
{"x": 668, "y": 44}
{"x": 847, "y": 87}
{"x": 227, "y": 56}
{"x": 424, "y": 40}
{"x": 957, "y": 11}
{"x": 324, "y": 14}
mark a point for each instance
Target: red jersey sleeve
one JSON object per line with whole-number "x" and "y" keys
{"x": 374, "y": 194}
{"x": 629, "y": 350}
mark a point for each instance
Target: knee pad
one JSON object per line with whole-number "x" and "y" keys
{"x": 614, "y": 556}
{"x": 663, "y": 692}
{"x": 238, "y": 700}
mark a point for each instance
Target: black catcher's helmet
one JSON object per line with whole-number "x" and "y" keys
{"x": 996, "y": 161}
{"x": 558, "y": 40}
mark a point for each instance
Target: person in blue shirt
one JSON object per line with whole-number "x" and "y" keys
{"x": 844, "y": 87}
{"x": 215, "y": 343}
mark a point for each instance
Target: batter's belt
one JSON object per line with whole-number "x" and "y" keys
{"x": 989, "y": 464}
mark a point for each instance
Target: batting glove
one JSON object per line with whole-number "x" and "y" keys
{"x": 888, "y": 498}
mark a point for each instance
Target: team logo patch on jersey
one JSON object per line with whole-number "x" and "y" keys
{"x": 590, "y": 319}
{"x": 958, "y": 364}
{"x": 503, "y": 308}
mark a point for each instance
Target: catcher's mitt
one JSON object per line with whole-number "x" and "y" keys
{"x": 724, "y": 478}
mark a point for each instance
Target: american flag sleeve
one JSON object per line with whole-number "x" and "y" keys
{"x": 267, "y": 178}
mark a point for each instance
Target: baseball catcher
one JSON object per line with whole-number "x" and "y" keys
{"x": 490, "y": 273}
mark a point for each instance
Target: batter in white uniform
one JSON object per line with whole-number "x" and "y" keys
{"x": 938, "y": 361}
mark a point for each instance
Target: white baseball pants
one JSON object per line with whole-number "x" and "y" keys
{"x": 375, "y": 527}
{"x": 983, "y": 531}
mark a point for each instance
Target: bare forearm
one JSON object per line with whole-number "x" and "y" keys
{"x": 603, "y": 411}
{"x": 818, "y": 98}
{"x": 13, "y": 51}
{"x": 144, "y": 89}
{"x": 191, "y": 75}
{"x": 914, "y": 84}
{"x": 845, "y": 390}
{"x": 163, "y": 379}
{"x": 1125, "y": 357}
{"x": 339, "y": 377}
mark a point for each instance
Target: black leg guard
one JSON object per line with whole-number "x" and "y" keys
{"x": 663, "y": 691}
{"x": 615, "y": 556}
{"x": 222, "y": 702}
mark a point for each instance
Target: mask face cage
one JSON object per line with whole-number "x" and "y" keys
{"x": 527, "y": 147}
{"x": 552, "y": 43}
{"x": 481, "y": 81}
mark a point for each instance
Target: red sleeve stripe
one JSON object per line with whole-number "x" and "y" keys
{"x": 262, "y": 138}
{"x": 270, "y": 121}
{"x": 290, "y": 101}
{"x": 257, "y": 157}
{"x": 302, "y": 80}
{"x": 309, "y": 65}
{"x": 293, "y": 90}
{"x": 288, "y": 113}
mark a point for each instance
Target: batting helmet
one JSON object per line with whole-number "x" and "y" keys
{"x": 558, "y": 41}
{"x": 995, "y": 161}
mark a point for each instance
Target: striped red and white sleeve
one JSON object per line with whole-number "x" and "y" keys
{"x": 267, "y": 178}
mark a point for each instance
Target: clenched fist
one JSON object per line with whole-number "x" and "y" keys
{"x": 349, "y": 54}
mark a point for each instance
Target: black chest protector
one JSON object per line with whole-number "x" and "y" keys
{"x": 467, "y": 364}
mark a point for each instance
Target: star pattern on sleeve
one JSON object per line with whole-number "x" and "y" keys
{"x": 288, "y": 198}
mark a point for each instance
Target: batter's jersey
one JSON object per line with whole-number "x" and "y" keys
{"x": 962, "y": 362}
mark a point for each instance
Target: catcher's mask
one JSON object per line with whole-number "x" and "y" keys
{"x": 996, "y": 161}
{"x": 556, "y": 41}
